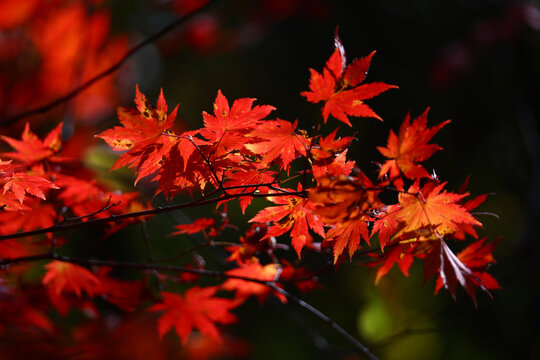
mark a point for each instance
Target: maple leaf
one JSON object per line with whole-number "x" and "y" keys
{"x": 37, "y": 215}
{"x": 198, "y": 308}
{"x": 343, "y": 203}
{"x": 476, "y": 257}
{"x": 30, "y": 149}
{"x": 124, "y": 294}
{"x": 298, "y": 217}
{"x": 385, "y": 224}
{"x": 328, "y": 146}
{"x": 279, "y": 139}
{"x": 21, "y": 184}
{"x": 86, "y": 197}
{"x": 145, "y": 134}
{"x": 244, "y": 289}
{"x": 338, "y": 87}
{"x": 19, "y": 309}
{"x": 339, "y": 166}
{"x": 289, "y": 271}
{"x": 432, "y": 210}
{"x": 248, "y": 178}
{"x": 9, "y": 200}
{"x": 469, "y": 205}
{"x": 229, "y": 125}
{"x": 452, "y": 270}
{"x": 140, "y": 127}
{"x": 197, "y": 226}
{"x": 14, "y": 14}
{"x": 64, "y": 277}
{"x": 252, "y": 242}
{"x": 330, "y": 157}
{"x": 400, "y": 254}
{"x": 411, "y": 147}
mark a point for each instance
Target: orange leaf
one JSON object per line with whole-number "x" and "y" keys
{"x": 430, "y": 208}
{"x": 411, "y": 147}
{"x": 343, "y": 202}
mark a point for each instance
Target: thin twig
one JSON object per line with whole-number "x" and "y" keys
{"x": 110, "y": 70}
{"x": 7, "y": 263}
{"x": 219, "y": 183}
{"x": 207, "y": 199}
{"x": 357, "y": 344}
{"x": 104, "y": 208}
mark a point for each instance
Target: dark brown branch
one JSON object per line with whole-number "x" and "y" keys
{"x": 125, "y": 265}
{"x": 219, "y": 183}
{"x": 107, "y": 206}
{"x": 358, "y": 345}
{"x": 7, "y": 263}
{"x": 208, "y": 199}
{"x": 110, "y": 70}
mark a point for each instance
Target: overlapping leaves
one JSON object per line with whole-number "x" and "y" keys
{"x": 241, "y": 154}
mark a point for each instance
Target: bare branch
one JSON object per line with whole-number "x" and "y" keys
{"x": 357, "y": 344}
{"x": 106, "y": 207}
{"x": 207, "y": 199}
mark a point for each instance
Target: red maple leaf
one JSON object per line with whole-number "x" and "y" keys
{"x": 226, "y": 129}
{"x": 145, "y": 134}
{"x": 30, "y": 149}
{"x": 329, "y": 146}
{"x": 124, "y": 294}
{"x": 386, "y": 224}
{"x": 248, "y": 178}
{"x": 476, "y": 257}
{"x": 338, "y": 87}
{"x": 252, "y": 242}
{"x": 244, "y": 289}
{"x": 407, "y": 150}
{"x": 400, "y": 254}
{"x": 197, "y": 226}
{"x": 452, "y": 270}
{"x": 62, "y": 277}
{"x": 293, "y": 213}
{"x": 197, "y": 309}
{"x": 278, "y": 139}
{"x": 21, "y": 184}
{"x": 343, "y": 203}
{"x": 37, "y": 215}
